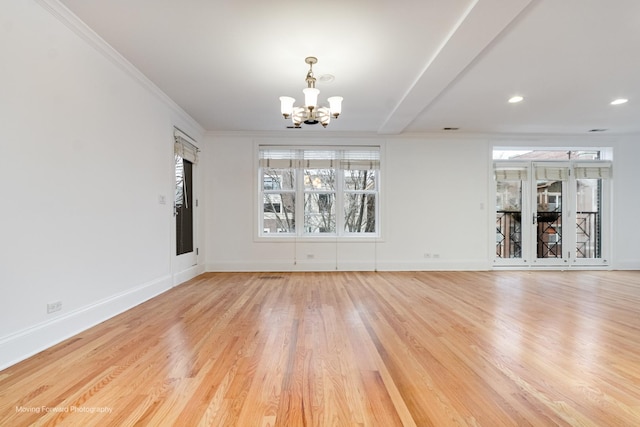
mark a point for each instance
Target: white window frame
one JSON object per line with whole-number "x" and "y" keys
{"x": 342, "y": 160}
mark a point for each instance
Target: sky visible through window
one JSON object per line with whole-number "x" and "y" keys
{"x": 558, "y": 154}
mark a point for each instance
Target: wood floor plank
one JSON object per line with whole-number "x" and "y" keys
{"x": 494, "y": 348}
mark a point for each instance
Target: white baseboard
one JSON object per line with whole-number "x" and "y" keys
{"x": 270, "y": 266}
{"x": 325, "y": 265}
{"x": 434, "y": 265}
{"x": 626, "y": 265}
{"x": 392, "y": 265}
{"x": 27, "y": 342}
{"x": 188, "y": 274}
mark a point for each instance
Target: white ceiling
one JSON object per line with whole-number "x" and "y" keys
{"x": 401, "y": 66}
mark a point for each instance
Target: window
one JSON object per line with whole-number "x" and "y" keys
{"x": 330, "y": 192}
{"x": 273, "y": 207}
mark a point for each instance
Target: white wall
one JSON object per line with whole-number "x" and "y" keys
{"x": 626, "y": 202}
{"x": 436, "y": 201}
{"x": 87, "y": 149}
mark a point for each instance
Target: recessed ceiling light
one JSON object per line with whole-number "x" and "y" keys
{"x": 516, "y": 99}
{"x": 326, "y": 78}
{"x": 619, "y": 101}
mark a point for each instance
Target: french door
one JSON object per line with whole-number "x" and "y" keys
{"x": 185, "y": 203}
{"x": 551, "y": 213}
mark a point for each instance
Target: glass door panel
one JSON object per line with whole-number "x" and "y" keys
{"x": 588, "y": 225}
{"x": 509, "y": 219}
{"x": 549, "y": 219}
{"x": 184, "y": 206}
{"x": 587, "y": 218}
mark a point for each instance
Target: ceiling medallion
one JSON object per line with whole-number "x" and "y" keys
{"x": 310, "y": 113}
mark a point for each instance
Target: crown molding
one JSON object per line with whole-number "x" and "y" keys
{"x": 75, "y": 24}
{"x": 295, "y": 134}
{"x": 497, "y": 139}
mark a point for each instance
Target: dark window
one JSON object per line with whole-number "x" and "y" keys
{"x": 272, "y": 207}
{"x": 184, "y": 206}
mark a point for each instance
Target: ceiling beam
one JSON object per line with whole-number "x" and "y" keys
{"x": 481, "y": 23}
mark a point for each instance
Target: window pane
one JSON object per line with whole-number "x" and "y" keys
{"x": 319, "y": 179}
{"x": 179, "y": 181}
{"x": 509, "y": 196}
{"x": 584, "y": 155}
{"x": 359, "y": 180}
{"x": 545, "y": 154}
{"x": 319, "y": 213}
{"x": 360, "y": 213}
{"x": 279, "y": 213}
{"x": 278, "y": 179}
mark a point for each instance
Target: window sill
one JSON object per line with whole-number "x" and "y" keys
{"x": 319, "y": 239}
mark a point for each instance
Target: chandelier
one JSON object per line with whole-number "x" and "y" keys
{"x": 310, "y": 113}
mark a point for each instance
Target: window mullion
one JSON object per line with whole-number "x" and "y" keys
{"x": 300, "y": 199}
{"x": 339, "y": 174}
{"x": 261, "y": 197}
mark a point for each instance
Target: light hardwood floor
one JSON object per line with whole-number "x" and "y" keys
{"x": 339, "y": 349}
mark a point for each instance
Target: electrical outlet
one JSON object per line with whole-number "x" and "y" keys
{"x": 310, "y": 256}
{"x": 436, "y": 255}
{"x": 52, "y": 307}
{"x": 427, "y": 255}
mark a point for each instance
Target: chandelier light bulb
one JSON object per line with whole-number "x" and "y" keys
{"x": 335, "y": 105}
{"x": 286, "y": 106}
{"x": 310, "y": 97}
